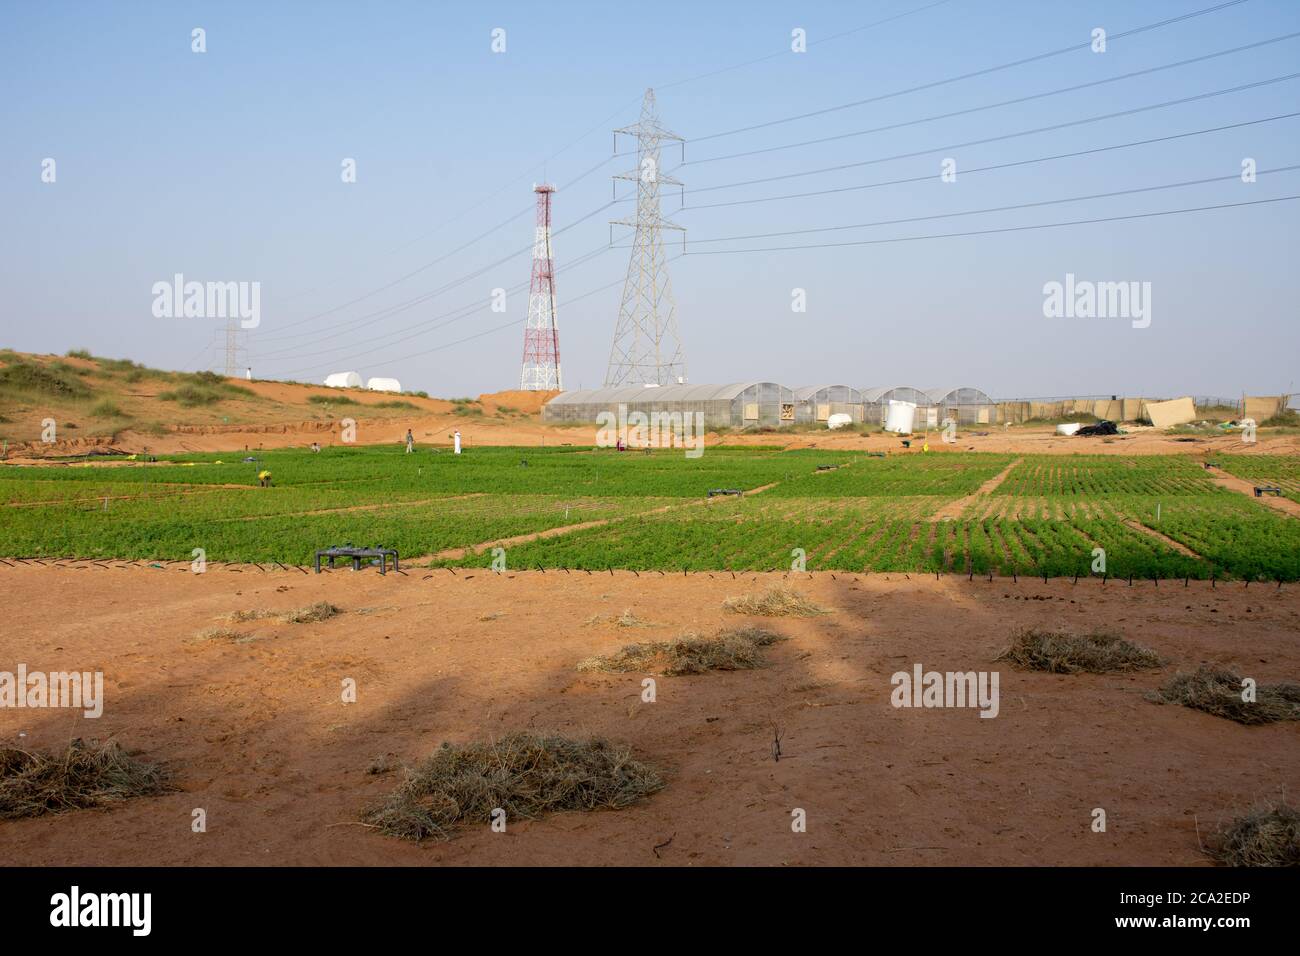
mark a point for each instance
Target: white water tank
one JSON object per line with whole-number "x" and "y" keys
{"x": 839, "y": 420}
{"x": 900, "y": 417}
{"x": 343, "y": 380}
{"x": 384, "y": 385}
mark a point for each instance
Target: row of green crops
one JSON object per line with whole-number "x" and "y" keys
{"x": 841, "y": 510}
{"x": 1278, "y": 470}
{"x": 1093, "y": 475}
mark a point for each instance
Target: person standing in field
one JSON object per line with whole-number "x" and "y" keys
{"x": 456, "y": 441}
{"x": 410, "y": 442}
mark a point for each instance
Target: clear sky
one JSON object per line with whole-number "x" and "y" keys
{"x": 226, "y": 166}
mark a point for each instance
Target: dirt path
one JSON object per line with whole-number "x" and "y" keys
{"x": 351, "y": 508}
{"x": 954, "y": 509}
{"x": 455, "y": 554}
{"x": 256, "y": 733}
{"x": 1233, "y": 483}
{"x": 182, "y": 492}
{"x": 1162, "y": 538}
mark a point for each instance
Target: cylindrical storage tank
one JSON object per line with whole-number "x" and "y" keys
{"x": 343, "y": 380}
{"x": 384, "y": 385}
{"x": 900, "y": 417}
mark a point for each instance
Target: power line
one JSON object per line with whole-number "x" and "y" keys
{"x": 975, "y": 73}
{"x": 990, "y": 232}
{"x": 449, "y": 317}
{"x": 507, "y": 325}
{"x": 785, "y": 52}
{"x": 389, "y": 311}
{"x": 1005, "y": 136}
{"x": 1025, "y": 205}
{"x": 601, "y": 125}
{"x": 989, "y": 106}
{"x": 463, "y": 246}
{"x": 931, "y": 177}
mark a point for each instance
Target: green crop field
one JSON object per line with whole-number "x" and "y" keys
{"x": 1153, "y": 516}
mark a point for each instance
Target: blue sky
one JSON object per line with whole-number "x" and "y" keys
{"x": 225, "y": 166}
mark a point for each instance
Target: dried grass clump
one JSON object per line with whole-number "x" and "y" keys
{"x": 1268, "y": 835}
{"x": 527, "y": 775}
{"x": 33, "y": 784}
{"x": 223, "y": 634}
{"x": 627, "y": 619}
{"x": 1061, "y": 653}
{"x": 779, "y": 600}
{"x": 1218, "y": 691}
{"x": 320, "y": 611}
{"x": 730, "y": 650}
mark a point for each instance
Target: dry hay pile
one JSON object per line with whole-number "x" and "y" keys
{"x": 85, "y": 775}
{"x": 1217, "y": 691}
{"x": 527, "y": 775}
{"x": 779, "y": 600}
{"x": 627, "y": 619}
{"x": 223, "y": 634}
{"x": 730, "y": 650}
{"x": 1061, "y": 653}
{"x": 320, "y": 611}
{"x": 1269, "y": 835}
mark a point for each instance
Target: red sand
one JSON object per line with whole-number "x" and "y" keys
{"x": 257, "y": 734}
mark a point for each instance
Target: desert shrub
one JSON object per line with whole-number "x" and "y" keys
{"x": 320, "y": 611}
{"x": 1062, "y": 653}
{"x": 779, "y": 600}
{"x": 33, "y": 783}
{"x": 29, "y": 377}
{"x": 729, "y": 650}
{"x": 1267, "y": 835}
{"x": 107, "y": 409}
{"x": 1286, "y": 417}
{"x": 526, "y": 775}
{"x": 1218, "y": 691}
{"x": 191, "y": 396}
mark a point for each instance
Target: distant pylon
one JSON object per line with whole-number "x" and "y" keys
{"x": 647, "y": 349}
{"x": 541, "y": 334}
{"x": 232, "y": 347}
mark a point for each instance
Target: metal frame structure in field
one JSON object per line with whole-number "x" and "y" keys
{"x": 964, "y": 404}
{"x": 647, "y": 348}
{"x": 734, "y": 405}
{"x": 875, "y": 402}
{"x": 817, "y": 403}
{"x": 541, "y": 366}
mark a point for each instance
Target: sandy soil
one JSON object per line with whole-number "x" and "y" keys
{"x": 257, "y": 734}
{"x": 529, "y": 432}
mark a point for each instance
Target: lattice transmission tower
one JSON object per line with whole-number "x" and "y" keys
{"x": 647, "y": 348}
{"x": 541, "y": 370}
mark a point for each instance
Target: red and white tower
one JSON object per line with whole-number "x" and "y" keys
{"x": 542, "y": 333}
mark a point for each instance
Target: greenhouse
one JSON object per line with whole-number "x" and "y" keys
{"x": 964, "y": 405}
{"x": 875, "y": 402}
{"x": 737, "y": 405}
{"x": 817, "y": 403}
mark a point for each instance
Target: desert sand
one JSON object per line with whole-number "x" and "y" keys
{"x": 257, "y": 734}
